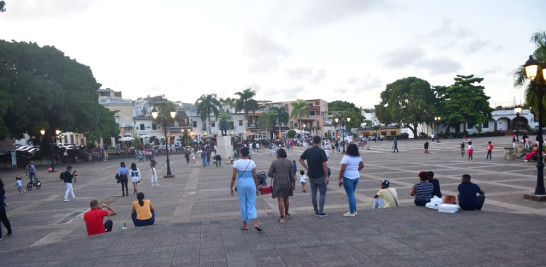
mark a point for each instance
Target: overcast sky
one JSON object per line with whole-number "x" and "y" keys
{"x": 284, "y": 49}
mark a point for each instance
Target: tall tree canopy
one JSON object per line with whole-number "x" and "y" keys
{"x": 520, "y": 79}
{"x": 41, "y": 88}
{"x": 464, "y": 101}
{"x": 409, "y": 102}
{"x": 246, "y": 102}
{"x": 344, "y": 110}
{"x": 207, "y": 104}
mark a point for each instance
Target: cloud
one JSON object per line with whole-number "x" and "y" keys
{"x": 314, "y": 13}
{"x": 475, "y": 46}
{"x": 319, "y": 76}
{"x": 366, "y": 84}
{"x": 37, "y": 9}
{"x": 341, "y": 90}
{"x": 441, "y": 65}
{"x": 298, "y": 73}
{"x": 264, "y": 53}
{"x": 404, "y": 57}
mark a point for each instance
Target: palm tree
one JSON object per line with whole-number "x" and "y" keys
{"x": 299, "y": 108}
{"x": 281, "y": 115}
{"x": 245, "y": 102}
{"x": 531, "y": 99}
{"x": 207, "y": 104}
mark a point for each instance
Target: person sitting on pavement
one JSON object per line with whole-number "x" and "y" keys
{"x": 143, "y": 212}
{"x": 386, "y": 197}
{"x": 468, "y": 200}
{"x": 94, "y": 218}
{"x": 422, "y": 190}
{"x": 435, "y": 183}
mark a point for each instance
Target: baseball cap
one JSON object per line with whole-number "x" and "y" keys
{"x": 386, "y": 183}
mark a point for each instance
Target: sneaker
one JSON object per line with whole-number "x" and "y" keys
{"x": 9, "y": 235}
{"x": 74, "y": 198}
{"x": 1, "y": 238}
{"x": 322, "y": 214}
{"x": 349, "y": 214}
{"x": 66, "y": 200}
{"x": 316, "y": 213}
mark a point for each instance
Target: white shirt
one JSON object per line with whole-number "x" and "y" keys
{"x": 351, "y": 171}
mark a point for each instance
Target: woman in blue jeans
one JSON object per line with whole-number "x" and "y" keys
{"x": 349, "y": 175}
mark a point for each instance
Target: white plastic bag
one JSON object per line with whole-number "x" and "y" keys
{"x": 434, "y": 203}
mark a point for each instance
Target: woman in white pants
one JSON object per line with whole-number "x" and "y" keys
{"x": 153, "y": 163}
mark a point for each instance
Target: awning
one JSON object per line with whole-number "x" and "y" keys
{"x": 126, "y": 139}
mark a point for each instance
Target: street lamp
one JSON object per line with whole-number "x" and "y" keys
{"x": 155, "y": 114}
{"x": 437, "y": 120}
{"x": 343, "y": 130}
{"x": 518, "y": 111}
{"x": 532, "y": 73}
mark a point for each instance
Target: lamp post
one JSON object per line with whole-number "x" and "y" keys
{"x": 532, "y": 72}
{"x": 437, "y": 120}
{"x": 43, "y": 132}
{"x": 155, "y": 113}
{"x": 518, "y": 111}
{"x": 343, "y": 130}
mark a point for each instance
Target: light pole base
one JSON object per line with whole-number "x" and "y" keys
{"x": 534, "y": 197}
{"x": 168, "y": 176}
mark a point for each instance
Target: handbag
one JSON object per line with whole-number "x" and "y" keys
{"x": 449, "y": 199}
{"x": 117, "y": 178}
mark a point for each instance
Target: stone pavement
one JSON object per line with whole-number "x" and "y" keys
{"x": 198, "y": 221}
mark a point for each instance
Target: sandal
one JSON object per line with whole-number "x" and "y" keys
{"x": 281, "y": 220}
{"x": 287, "y": 215}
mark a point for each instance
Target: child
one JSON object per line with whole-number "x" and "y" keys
{"x": 303, "y": 180}
{"x": 489, "y": 150}
{"x": 19, "y": 184}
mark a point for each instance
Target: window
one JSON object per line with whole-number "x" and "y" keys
{"x": 194, "y": 124}
{"x": 154, "y": 126}
{"x": 126, "y": 117}
{"x": 485, "y": 124}
{"x": 212, "y": 124}
{"x": 142, "y": 127}
{"x": 291, "y": 124}
{"x": 240, "y": 122}
{"x": 312, "y": 113}
{"x": 393, "y": 132}
{"x": 231, "y": 125}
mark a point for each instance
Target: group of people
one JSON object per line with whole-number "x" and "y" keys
{"x": 142, "y": 214}
{"x": 124, "y": 173}
{"x": 470, "y": 197}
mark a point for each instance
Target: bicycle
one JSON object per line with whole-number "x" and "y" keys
{"x": 33, "y": 183}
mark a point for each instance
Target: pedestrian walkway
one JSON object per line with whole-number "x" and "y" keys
{"x": 198, "y": 221}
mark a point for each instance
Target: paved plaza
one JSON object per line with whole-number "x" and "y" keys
{"x": 198, "y": 222}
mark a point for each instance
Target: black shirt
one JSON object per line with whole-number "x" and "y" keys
{"x": 68, "y": 177}
{"x": 315, "y": 156}
{"x": 436, "y": 191}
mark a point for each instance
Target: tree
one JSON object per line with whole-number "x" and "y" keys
{"x": 281, "y": 115}
{"x": 245, "y": 102}
{"x": 41, "y": 88}
{"x": 300, "y": 108}
{"x": 409, "y": 101}
{"x": 531, "y": 99}
{"x": 346, "y": 110}
{"x": 207, "y": 104}
{"x": 267, "y": 120}
{"x": 463, "y": 102}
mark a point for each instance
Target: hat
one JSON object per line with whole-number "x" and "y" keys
{"x": 386, "y": 183}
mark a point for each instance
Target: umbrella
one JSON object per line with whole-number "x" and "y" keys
{"x": 126, "y": 139}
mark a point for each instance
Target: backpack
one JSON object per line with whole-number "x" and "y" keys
{"x": 61, "y": 176}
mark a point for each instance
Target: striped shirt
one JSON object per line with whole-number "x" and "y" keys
{"x": 423, "y": 191}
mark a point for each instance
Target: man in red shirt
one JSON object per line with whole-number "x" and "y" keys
{"x": 94, "y": 218}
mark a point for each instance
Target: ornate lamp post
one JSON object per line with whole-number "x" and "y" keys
{"x": 533, "y": 74}
{"x": 155, "y": 114}
{"x": 437, "y": 120}
{"x": 518, "y": 111}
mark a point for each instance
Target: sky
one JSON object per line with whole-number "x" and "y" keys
{"x": 285, "y": 50}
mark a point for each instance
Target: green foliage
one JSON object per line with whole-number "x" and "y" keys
{"x": 345, "y": 109}
{"x": 409, "y": 101}
{"x": 136, "y": 143}
{"x": 207, "y": 104}
{"x": 464, "y": 101}
{"x": 41, "y": 88}
{"x": 281, "y": 113}
{"x": 291, "y": 133}
{"x": 300, "y": 108}
{"x": 245, "y": 101}
{"x": 267, "y": 120}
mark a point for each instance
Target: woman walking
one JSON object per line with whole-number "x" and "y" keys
{"x": 244, "y": 171}
{"x": 3, "y": 216}
{"x": 284, "y": 182}
{"x": 143, "y": 212}
{"x": 349, "y": 175}
{"x": 123, "y": 172}
{"x": 135, "y": 177}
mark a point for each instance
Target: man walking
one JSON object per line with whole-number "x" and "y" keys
{"x": 395, "y": 145}
{"x": 317, "y": 171}
{"x": 68, "y": 177}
